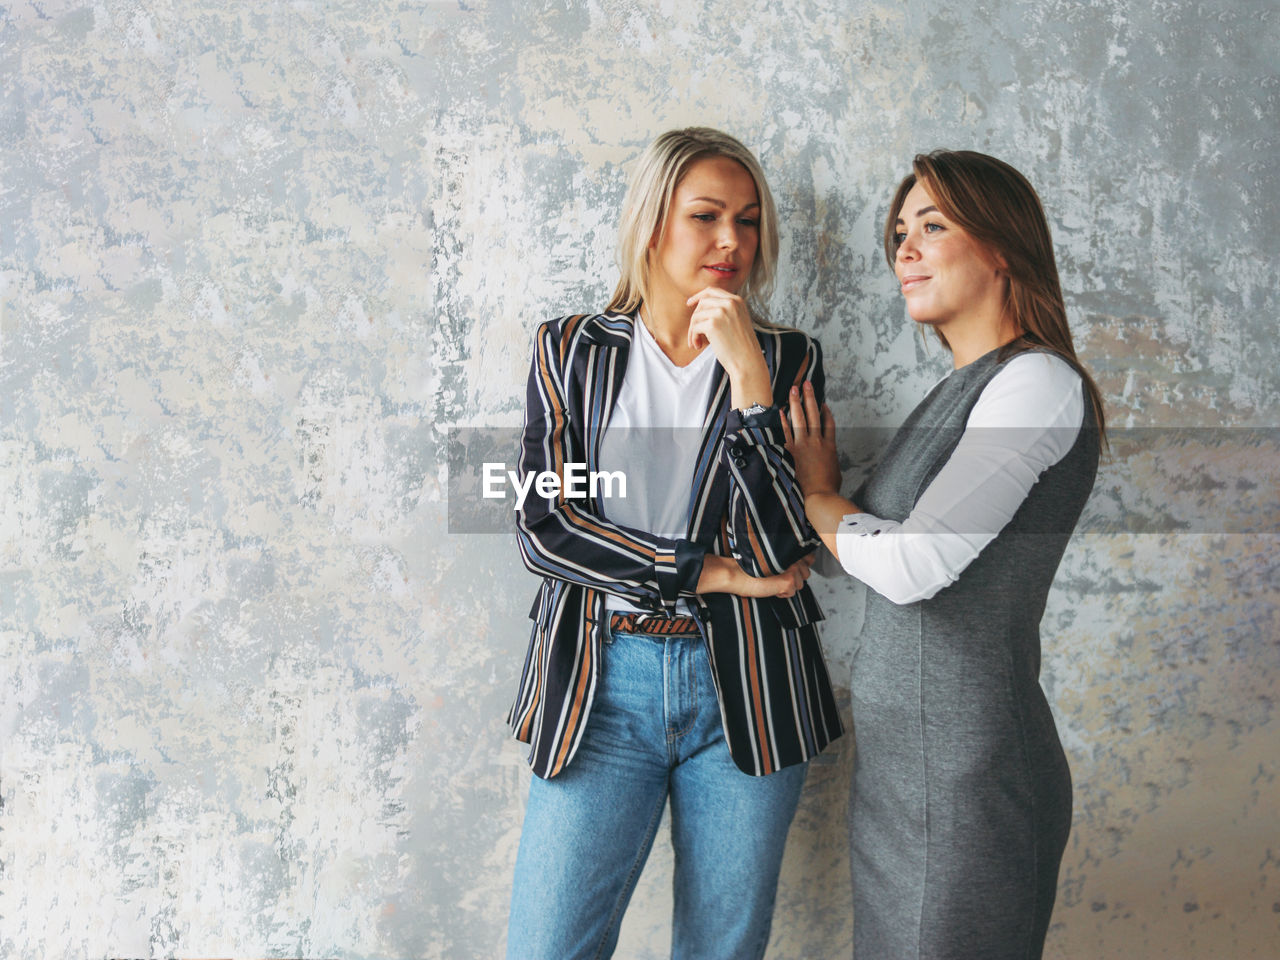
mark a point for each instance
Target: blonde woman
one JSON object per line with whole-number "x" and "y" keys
{"x": 674, "y": 654}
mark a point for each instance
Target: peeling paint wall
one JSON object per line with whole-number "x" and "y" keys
{"x": 256, "y": 259}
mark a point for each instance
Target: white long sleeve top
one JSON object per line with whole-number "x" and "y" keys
{"x": 1026, "y": 420}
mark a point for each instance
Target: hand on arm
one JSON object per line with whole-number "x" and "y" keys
{"x": 1025, "y": 421}
{"x": 724, "y": 575}
{"x": 811, "y": 440}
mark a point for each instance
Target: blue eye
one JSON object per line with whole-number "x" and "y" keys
{"x": 898, "y": 239}
{"x": 933, "y": 227}
{"x": 705, "y": 217}
{"x": 748, "y": 222}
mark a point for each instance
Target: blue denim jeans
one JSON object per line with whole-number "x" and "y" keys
{"x": 653, "y": 733}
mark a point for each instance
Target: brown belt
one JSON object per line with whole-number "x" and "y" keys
{"x": 652, "y": 623}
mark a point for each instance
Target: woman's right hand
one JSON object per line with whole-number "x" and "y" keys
{"x": 810, "y": 435}
{"x": 723, "y": 575}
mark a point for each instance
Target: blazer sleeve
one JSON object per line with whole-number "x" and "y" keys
{"x": 768, "y": 530}
{"x": 565, "y": 538}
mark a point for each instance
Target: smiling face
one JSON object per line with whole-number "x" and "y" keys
{"x": 711, "y": 232}
{"x": 947, "y": 278}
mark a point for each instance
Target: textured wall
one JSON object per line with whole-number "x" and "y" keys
{"x": 256, "y": 259}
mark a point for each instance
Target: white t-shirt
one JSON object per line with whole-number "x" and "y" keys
{"x": 653, "y": 436}
{"x": 1026, "y": 420}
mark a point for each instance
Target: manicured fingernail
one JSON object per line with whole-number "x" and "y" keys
{"x": 794, "y": 391}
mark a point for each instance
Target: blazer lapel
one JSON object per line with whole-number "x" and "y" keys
{"x": 606, "y": 365}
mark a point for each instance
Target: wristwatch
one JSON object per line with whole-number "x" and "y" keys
{"x": 752, "y": 410}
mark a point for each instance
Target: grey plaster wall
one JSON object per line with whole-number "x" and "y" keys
{"x": 257, "y": 259}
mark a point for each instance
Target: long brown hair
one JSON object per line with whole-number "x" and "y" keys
{"x": 998, "y": 207}
{"x": 644, "y": 213}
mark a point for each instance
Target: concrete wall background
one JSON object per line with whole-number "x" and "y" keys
{"x": 256, "y": 259}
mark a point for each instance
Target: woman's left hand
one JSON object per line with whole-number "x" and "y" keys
{"x": 721, "y": 319}
{"x": 811, "y": 439}
{"x": 723, "y": 575}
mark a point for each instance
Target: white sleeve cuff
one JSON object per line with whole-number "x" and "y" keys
{"x": 864, "y": 525}
{"x": 900, "y": 565}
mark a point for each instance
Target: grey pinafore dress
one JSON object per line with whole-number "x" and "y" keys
{"x": 961, "y": 797}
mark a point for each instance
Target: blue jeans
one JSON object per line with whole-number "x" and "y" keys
{"x": 653, "y": 732}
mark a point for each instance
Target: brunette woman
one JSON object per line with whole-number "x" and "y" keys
{"x": 674, "y": 654}
{"x": 962, "y": 797}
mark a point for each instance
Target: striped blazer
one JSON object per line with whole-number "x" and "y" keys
{"x": 776, "y": 702}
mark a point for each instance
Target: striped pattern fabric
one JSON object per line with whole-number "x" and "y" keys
{"x": 775, "y": 696}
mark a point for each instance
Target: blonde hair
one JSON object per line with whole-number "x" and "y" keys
{"x": 998, "y": 207}
{"x": 658, "y": 172}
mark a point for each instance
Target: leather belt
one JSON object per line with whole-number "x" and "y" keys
{"x": 652, "y": 623}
